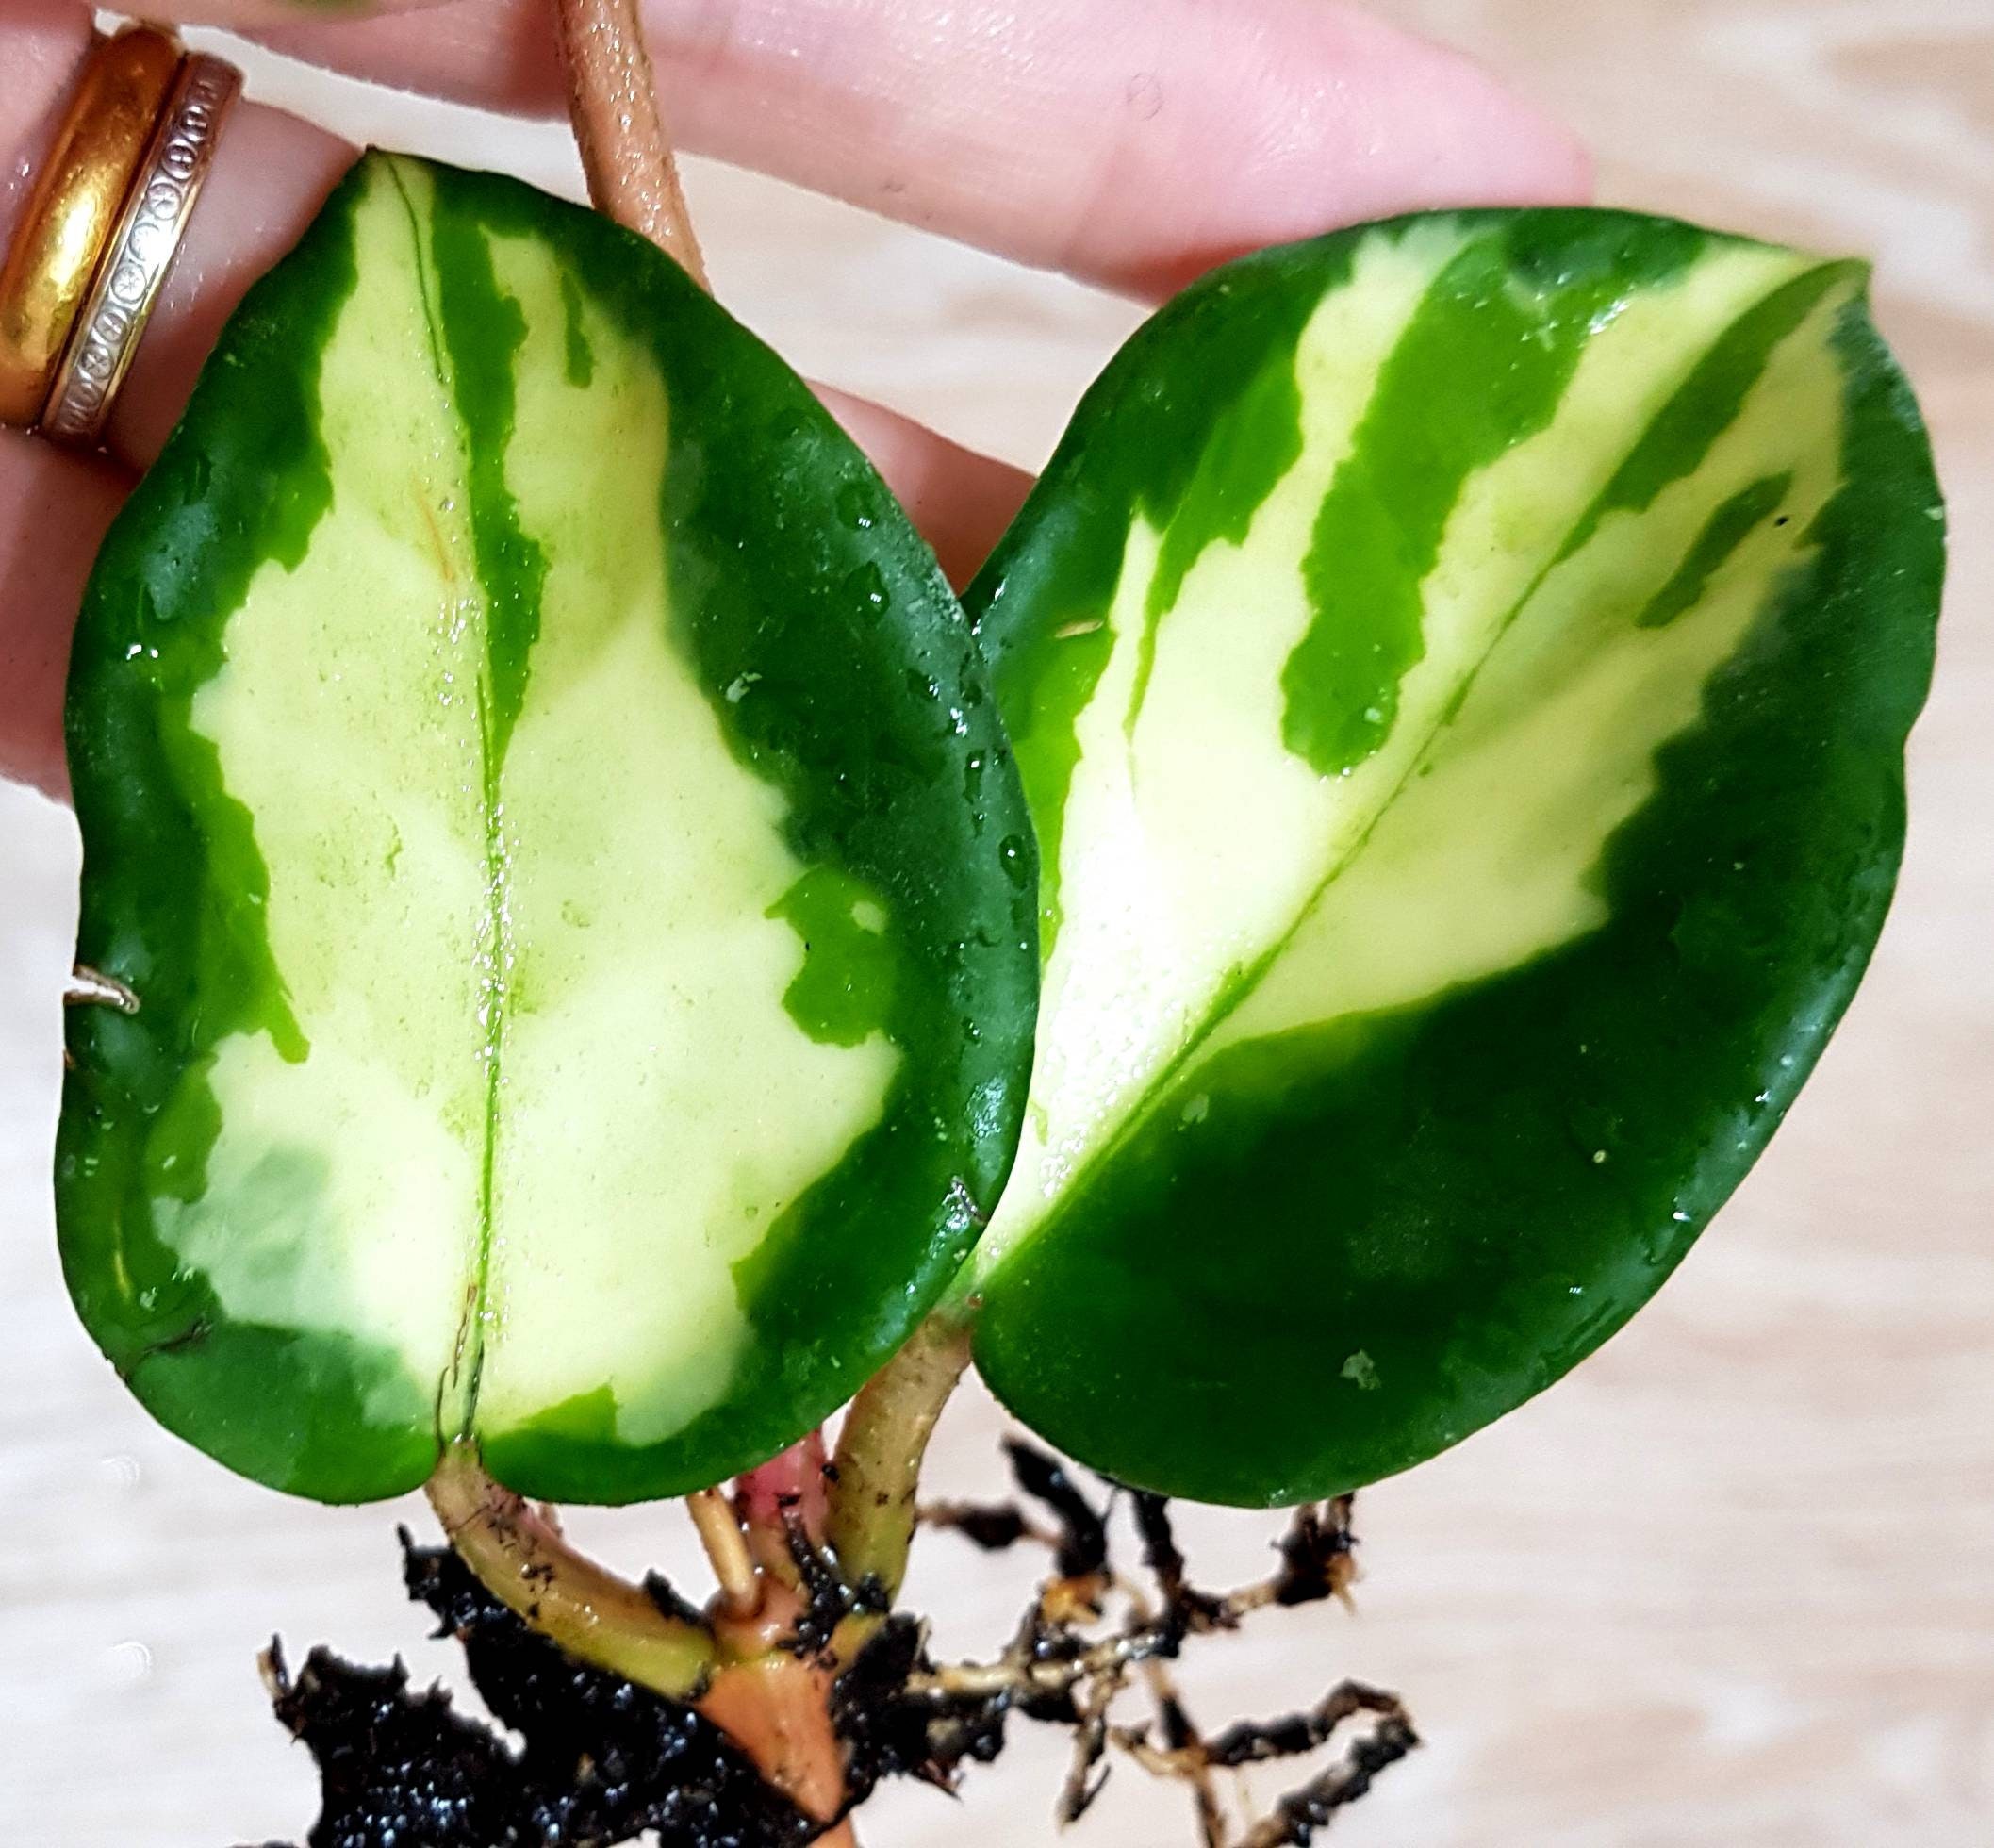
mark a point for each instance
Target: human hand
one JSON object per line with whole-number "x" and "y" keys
{"x": 1131, "y": 143}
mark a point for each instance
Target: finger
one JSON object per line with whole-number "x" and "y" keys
{"x": 54, "y": 509}
{"x": 273, "y": 171}
{"x": 271, "y": 174}
{"x": 1131, "y": 144}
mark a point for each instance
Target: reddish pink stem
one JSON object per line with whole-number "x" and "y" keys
{"x": 793, "y": 1480}
{"x": 786, "y": 1488}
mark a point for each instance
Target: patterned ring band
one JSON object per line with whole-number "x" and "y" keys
{"x": 67, "y": 219}
{"x": 140, "y": 253}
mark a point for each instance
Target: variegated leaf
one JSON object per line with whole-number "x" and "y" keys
{"x": 1459, "y": 669}
{"x": 548, "y": 805}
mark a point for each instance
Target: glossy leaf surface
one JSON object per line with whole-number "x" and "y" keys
{"x": 550, "y": 808}
{"x": 1459, "y": 669}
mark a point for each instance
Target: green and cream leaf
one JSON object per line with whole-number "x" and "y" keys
{"x": 521, "y": 749}
{"x": 1459, "y": 669}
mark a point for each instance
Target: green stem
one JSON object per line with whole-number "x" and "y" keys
{"x": 520, "y": 1559}
{"x": 876, "y": 1469}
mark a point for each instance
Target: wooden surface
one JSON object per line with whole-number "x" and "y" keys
{"x": 1731, "y": 1583}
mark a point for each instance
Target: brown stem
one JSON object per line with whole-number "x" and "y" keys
{"x": 773, "y": 1703}
{"x": 777, "y": 1708}
{"x": 876, "y": 1470}
{"x": 620, "y": 129}
{"x": 634, "y": 178}
{"x": 520, "y": 1558}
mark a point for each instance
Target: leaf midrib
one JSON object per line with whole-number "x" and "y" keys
{"x": 457, "y": 1390}
{"x": 1234, "y": 990}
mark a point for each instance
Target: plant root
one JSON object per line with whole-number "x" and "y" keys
{"x": 827, "y": 1692}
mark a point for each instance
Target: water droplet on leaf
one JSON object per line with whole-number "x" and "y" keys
{"x": 867, "y": 587}
{"x": 855, "y": 506}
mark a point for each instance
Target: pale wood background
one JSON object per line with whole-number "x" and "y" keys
{"x": 1732, "y": 1583}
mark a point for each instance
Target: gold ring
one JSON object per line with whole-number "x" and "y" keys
{"x": 69, "y": 217}
{"x": 141, "y": 250}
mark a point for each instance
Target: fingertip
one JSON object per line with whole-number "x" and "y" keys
{"x": 1328, "y": 116}
{"x": 1131, "y": 146}
{"x": 1489, "y": 144}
